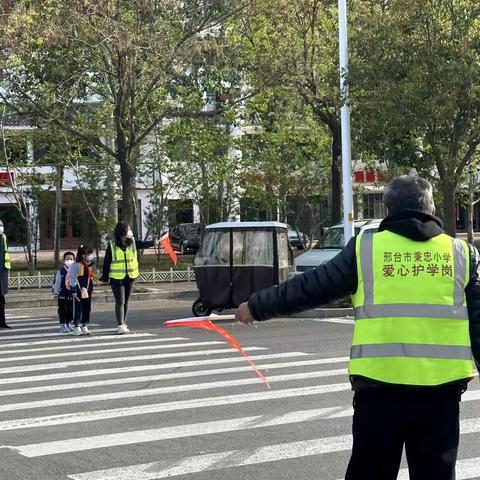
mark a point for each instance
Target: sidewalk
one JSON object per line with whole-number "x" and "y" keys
{"x": 31, "y": 298}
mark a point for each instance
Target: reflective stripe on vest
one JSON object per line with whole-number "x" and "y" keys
{"x": 8, "y": 265}
{"x": 123, "y": 262}
{"x": 411, "y": 319}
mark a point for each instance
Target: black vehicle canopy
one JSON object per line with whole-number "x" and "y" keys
{"x": 237, "y": 259}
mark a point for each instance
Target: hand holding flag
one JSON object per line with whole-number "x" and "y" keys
{"x": 206, "y": 324}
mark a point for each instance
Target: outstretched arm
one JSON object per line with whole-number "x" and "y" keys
{"x": 329, "y": 281}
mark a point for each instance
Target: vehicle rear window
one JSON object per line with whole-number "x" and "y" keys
{"x": 333, "y": 238}
{"x": 191, "y": 229}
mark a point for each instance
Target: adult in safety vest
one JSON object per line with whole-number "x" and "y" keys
{"x": 416, "y": 340}
{"x": 120, "y": 268}
{"x": 5, "y": 266}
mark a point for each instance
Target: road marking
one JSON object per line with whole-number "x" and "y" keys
{"x": 221, "y": 460}
{"x": 141, "y": 368}
{"x": 6, "y": 336}
{"x": 83, "y": 340}
{"x": 109, "y": 350}
{"x": 168, "y": 433}
{"x": 332, "y": 320}
{"x": 466, "y": 468}
{"x": 80, "y": 344}
{"x": 97, "y": 415}
{"x": 101, "y": 397}
{"x": 136, "y": 358}
{"x": 49, "y": 327}
{"x": 23, "y": 319}
{"x": 168, "y": 376}
{"x": 33, "y": 324}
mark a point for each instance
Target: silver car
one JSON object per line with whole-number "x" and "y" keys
{"x": 330, "y": 245}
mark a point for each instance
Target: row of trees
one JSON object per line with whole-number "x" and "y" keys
{"x": 159, "y": 89}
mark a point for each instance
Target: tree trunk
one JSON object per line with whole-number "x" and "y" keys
{"x": 449, "y": 213}
{"x": 336, "y": 176}
{"x": 58, "y": 215}
{"x": 128, "y": 192}
{"x": 111, "y": 186}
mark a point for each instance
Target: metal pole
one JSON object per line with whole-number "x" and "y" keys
{"x": 345, "y": 122}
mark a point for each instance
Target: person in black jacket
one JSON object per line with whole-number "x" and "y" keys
{"x": 81, "y": 275}
{"x": 387, "y": 416}
{"x": 122, "y": 287}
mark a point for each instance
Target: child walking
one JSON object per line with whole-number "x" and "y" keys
{"x": 61, "y": 291}
{"x": 82, "y": 274}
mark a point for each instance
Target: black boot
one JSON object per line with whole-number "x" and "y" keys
{"x": 3, "y": 324}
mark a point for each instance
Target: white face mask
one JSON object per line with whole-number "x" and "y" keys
{"x": 2, "y": 230}
{"x": 69, "y": 263}
{"x": 129, "y": 233}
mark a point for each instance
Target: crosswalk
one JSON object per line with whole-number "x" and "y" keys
{"x": 168, "y": 404}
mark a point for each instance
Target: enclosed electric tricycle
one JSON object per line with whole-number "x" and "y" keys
{"x": 236, "y": 259}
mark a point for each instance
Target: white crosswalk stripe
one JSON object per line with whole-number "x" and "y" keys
{"x": 99, "y": 398}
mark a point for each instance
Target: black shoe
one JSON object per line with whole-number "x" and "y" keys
{"x": 5, "y": 326}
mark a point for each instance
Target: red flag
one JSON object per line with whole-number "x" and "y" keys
{"x": 206, "y": 323}
{"x": 167, "y": 246}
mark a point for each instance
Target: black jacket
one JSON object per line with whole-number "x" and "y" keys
{"x": 338, "y": 278}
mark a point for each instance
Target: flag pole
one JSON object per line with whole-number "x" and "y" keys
{"x": 348, "y": 215}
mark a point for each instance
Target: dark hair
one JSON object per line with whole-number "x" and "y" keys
{"x": 409, "y": 192}
{"x": 68, "y": 253}
{"x": 120, "y": 232}
{"x": 83, "y": 250}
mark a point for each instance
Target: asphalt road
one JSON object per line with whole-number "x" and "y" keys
{"x": 179, "y": 403}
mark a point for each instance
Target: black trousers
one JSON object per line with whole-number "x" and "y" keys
{"x": 426, "y": 423}
{"x": 121, "y": 291}
{"x": 2, "y": 309}
{"x": 82, "y": 308}
{"x": 65, "y": 310}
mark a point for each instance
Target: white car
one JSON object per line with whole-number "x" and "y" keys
{"x": 330, "y": 245}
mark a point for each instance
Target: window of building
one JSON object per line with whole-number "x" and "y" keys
{"x": 373, "y": 205}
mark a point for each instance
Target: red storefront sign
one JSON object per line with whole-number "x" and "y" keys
{"x": 6, "y": 179}
{"x": 368, "y": 176}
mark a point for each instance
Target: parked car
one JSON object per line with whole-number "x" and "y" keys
{"x": 330, "y": 245}
{"x": 185, "y": 237}
{"x": 297, "y": 239}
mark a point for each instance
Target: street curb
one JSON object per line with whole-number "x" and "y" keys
{"x": 334, "y": 312}
{"x": 179, "y": 295}
{"x": 135, "y": 297}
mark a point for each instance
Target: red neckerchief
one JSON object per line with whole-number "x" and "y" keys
{"x": 89, "y": 269}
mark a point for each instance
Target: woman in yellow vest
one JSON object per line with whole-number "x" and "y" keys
{"x": 120, "y": 268}
{"x": 4, "y": 273}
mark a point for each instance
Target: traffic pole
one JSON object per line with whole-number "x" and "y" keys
{"x": 345, "y": 123}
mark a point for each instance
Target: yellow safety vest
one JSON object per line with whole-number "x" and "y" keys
{"x": 8, "y": 265}
{"x": 123, "y": 262}
{"x": 411, "y": 319}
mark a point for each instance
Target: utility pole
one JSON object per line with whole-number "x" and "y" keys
{"x": 348, "y": 216}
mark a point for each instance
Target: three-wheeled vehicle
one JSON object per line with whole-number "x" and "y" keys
{"x": 236, "y": 259}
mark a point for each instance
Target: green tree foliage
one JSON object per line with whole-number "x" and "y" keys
{"x": 294, "y": 43}
{"x": 285, "y": 159}
{"x": 111, "y": 69}
{"x": 416, "y": 90}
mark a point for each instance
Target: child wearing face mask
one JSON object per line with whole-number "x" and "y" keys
{"x": 120, "y": 268}
{"x": 61, "y": 291}
{"x": 82, "y": 274}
